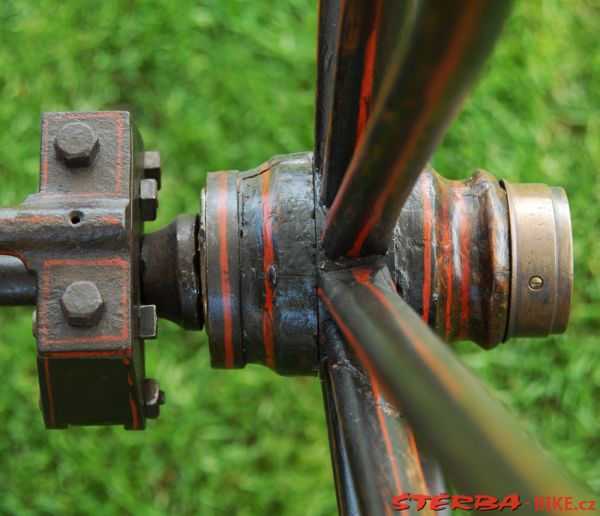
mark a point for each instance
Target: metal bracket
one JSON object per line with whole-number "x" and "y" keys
{"x": 80, "y": 235}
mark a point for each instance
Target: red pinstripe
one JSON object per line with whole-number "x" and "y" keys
{"x": 268, "y": 261}
{"x": 224, "y": 268}
{"x": 366, "y": 87}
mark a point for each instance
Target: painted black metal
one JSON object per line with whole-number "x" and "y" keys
{"x": 475, "y": 439}
{"x": 220, "y": 270}
{"x": 356, "y": 22}
{"x": 451, "y": 256}
{"x": 329, "y": 12}
{"x": 17, "y": 285}
{"x": 170, "y": 272}
{"x": 265, "y": 279}
{"x": 355, "y": 51}
{"x": 427, "y": 80}
{"x": 374, "y": 455}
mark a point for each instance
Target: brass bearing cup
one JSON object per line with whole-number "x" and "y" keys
{"x": 541, "y": 249}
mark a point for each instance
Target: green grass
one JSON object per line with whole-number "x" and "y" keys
{"x": 217, "y": 84}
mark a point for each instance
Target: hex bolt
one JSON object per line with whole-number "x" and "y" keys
{"x": 148, "y": 321}
{"x": 153, "y": 398}
{"x": 82, "y": 304}
{"x": 536, "y": 283}
{"x": 148, "y": 199}
{"x": 152, "y": 168}
{"x": 76, "y": 144}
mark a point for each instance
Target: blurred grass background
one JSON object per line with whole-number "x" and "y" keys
{"x": 217, "y": 84}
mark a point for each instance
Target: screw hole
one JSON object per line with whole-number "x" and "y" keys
{"x": 75, "y": 218}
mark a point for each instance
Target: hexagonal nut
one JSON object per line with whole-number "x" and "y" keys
{"x": 153, "y": 398}
{"x": 148, "y": 199}
{"x": 76, "y": 144}
{"x": 152, "y": 168}
{"x": 82, "y": 304}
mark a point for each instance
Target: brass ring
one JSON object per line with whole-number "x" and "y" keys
{"x": 541, "y": 260}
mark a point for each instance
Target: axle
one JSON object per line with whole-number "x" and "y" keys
{"x": 476, "y": 259}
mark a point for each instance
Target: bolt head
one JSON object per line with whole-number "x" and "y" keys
{"x": 148, "y": 199}
{"x": 152, "y": 166}
{"x": 153, "y": 398}
{"x": 82, "y": 304}
{"x": 77, "y": 144}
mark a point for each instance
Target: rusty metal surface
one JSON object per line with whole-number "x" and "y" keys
{"x": 81, "y": 231}
{"x": 421, "y": 374}
{"x": 542, "y": 260}
{"x": 374, "y": 452}
{"x": 425, "y": 84}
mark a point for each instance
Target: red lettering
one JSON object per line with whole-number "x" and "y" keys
{"x": 486, "y": 503}
{"x": 557, "y": 503}
{"x": 421, "y": 500}
{"x": 511, "y": 502}
{"x": 460, "y": 501}
{"x": 398, "y": 502}
{"x": 569, "y": 503}
{"x": 591, "y": 505}
{"x": 439, "y": 502}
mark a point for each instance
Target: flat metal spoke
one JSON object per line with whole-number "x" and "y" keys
{"x": 478, "y": 443}
{"x": 429, "y": 75}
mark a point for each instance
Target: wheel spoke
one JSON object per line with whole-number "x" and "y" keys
{"x": 329, "y": 13}
{"x": 374, "y": 453}
{"x": 355, "y": 42}
{"x": 429, "y": 74}
{"x": 478, "y": 443}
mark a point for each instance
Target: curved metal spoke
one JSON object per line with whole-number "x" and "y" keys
{"x": 429, "y": 76}
{"x": 374, "y": 453}
{"x": 329, "y": 14}
{"x": 355, "y": 42}
{"x": 478, "y": 443}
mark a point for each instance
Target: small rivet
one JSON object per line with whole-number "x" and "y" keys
{"x": 536, "y": 283}
{"x": 272, "y": 276}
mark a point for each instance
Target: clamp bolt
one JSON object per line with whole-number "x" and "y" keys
{"x": 152, "y": 166}
{"x": 153, "y": 398}
{"x": 82, "y": 304}
{"x": 148, "y": 199}
{"x": 76, "y": 144}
